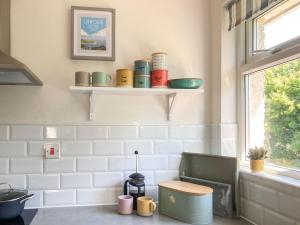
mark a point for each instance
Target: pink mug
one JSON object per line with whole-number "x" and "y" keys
{"x": 125, "y": 204}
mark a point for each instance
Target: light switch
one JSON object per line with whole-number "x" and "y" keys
{"x": 52, "y": 151}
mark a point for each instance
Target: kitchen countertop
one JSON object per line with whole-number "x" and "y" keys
{"x": 106, "y": 215}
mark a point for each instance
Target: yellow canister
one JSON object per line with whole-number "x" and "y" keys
{"x": 125, "y": 78}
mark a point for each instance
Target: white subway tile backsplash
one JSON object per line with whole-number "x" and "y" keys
{"x": 77, "y": 180}
{"x": 252, "y": 211}
{"x": 60, "y": 197}
{"x": 215, "y": 131}
{"x": 76, "y": 148}
{"x": 108, "y": 179}
{"x": 274, "y": 218}
{"x": 121, "y": 163}
{"x": 16, "y": 181}
{"x": 36, "y": 148}
{"x": 143, "y": 147}
{"x": 4, "y": 133}
{"x": 154, "y": 132}
{"x": 264, "y": 192}
{"x": 264, "y": 196}
{"x": 90, "y": 164}
{"x": 196, "y": 146}
{"x": 108, "y": 148}
{"x": 215, "y": 146}
{"x": 245, "y": 189}
{"x": 60, "y": 132}
{"x": 180, "y": 131}
{"x": 43, "y": 181}
{"x": 174, "y": 162}
{"x": 229, "y": 147}
{"x": 92, "y": 132}
{"x": 4, "y": 166}
{"x": 248, "y": 176}
{"x": 60, "y": 165}
{"x": 229, "y": 131}
{"x": 95, "y": 159}
{"x": 166, "y": 175}
{"x": 149, "y": 177}
{"x": 204, "y": 132}
{"x": 289, "y": 206}
{"x": 168, "y": 147}
{"x": 282, "y": 184}
{"x": 153, "y": 192}
{"x": 26, "y": 165}
{"x": 95, "y": 165}
{"x": 12, "y": 149}
{"x": 123, "y": 132}
{"x": 26, "y": 132}
{"x": 148, "y": 162}
{"x": 36, "y": 201}
{"x": 98, "y": 196}
{"x": 188, "y": 132}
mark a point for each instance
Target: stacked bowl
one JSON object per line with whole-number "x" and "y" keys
{"x": 142, "y": 69}
{"x": 159, "y": 75}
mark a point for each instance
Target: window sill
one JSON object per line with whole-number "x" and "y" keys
{"x": 275, "y": 171}
{"x": 273, "y": 178}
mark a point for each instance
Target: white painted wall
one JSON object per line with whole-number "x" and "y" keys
{"x": 223, "y": 84}
{"x": 41, "y": 38}
{"x": 40, "y": 31}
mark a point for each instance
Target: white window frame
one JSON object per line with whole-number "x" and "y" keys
{"x": 248, "y": 64}
{"x": 251, "y": 57}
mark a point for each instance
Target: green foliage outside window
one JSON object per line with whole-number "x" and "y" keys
{"x": 282, "y": 114}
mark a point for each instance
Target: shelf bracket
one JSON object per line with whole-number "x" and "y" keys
{"x": 92, "y": 105}
{"x": 171, "y": 103}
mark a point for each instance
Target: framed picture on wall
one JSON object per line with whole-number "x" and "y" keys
{"x": 93, "y": 33}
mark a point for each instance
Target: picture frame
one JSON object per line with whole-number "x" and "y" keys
{"x": 93, "y": 33}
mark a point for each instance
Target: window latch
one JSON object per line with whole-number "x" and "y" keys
{"x": 265, "y": 51}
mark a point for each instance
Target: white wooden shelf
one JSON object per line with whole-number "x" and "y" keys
{"x": 169, "y": 93}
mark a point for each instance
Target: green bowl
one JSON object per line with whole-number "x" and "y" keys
{"x": 185, "y": 83}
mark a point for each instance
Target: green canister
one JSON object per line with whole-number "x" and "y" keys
{"x": 142, "y": 67}
{"x": 142, "y": 81}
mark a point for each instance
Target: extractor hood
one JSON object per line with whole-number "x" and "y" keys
{"x": 12, "y": 71}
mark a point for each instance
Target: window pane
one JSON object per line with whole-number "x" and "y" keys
{"x": 274, "y": 113}
{"x": 278, "y": 25}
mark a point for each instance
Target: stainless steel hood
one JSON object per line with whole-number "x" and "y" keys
{"x": 12, "y": 71}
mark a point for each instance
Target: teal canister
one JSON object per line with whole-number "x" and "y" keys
{"x": 142, "y": 67}
{"x": 142, "y": 81}
{"x": 101, "y": 79}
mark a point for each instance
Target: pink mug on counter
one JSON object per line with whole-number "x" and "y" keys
{"x": 125, "y": 204}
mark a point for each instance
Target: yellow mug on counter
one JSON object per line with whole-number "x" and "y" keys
{"x": 125, "y": 78}
{"x": 145, "y": 206}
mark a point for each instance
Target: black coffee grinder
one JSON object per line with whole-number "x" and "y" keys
{"x": 136, "y": 184}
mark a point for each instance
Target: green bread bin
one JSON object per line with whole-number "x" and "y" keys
{"x": 185, "y": 83}
{"x": 184, "y": 204}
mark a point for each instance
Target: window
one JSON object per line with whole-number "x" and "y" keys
{"x": 274, "y": 112}
{"x": 271, "y": 78}
{"x": 274, "y": 30}
{"x": 274, "y": 27}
